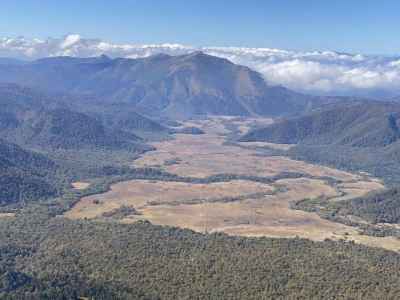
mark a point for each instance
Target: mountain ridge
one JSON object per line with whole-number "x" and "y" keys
{"x": 174, "y": 86}
{"x": 30, "y": 118}
{"x": 361, "y": 124}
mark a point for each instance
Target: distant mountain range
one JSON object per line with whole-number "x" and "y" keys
{"x": 316, "y": 72}
{"x": 162, "y": 85}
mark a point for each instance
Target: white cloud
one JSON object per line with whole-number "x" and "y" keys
{"x": 70, "y": 40}
{"x": 316, "y": 71}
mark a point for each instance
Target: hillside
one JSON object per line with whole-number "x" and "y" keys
{"x": 396, "y": 99}
{"x": 381, "y": 207}
{"x": 7, "y": 61}
{"x": 174, "y": 86}
{"x": 366, "y": 124}
{"x": 24, "y": 175}
{"x": 34, "y": 119}
{"x": 62, "y": 128}
{"x": 72, "y": 260}
{"x": 353, "y": 136}
{"x": 127, "y": 119}
{"x": 74, "y": 143}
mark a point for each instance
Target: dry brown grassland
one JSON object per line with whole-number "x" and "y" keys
{"x": 238, "y": 207}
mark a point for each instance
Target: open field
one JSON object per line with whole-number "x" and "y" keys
{"x": 253, "y": 145}
{"x": 206, "y": 155}
{"x": 245, "y": 124}
{"x": 238, "y": 207}
{"x": 357, "y": 189}
{"x": 143, "y": 193}
{"x": 267, "y": 213}
{"x": 7, "y": 215}
{"x": 80, "y": 185}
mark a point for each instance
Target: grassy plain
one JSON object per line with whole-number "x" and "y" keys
{"x": 238, "y": 207}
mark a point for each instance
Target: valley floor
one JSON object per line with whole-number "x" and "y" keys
{"x": 246, "y": 206}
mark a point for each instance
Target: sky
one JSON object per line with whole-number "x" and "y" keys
{"x": 341, "y": 47}
{"x": 354, "y": 26}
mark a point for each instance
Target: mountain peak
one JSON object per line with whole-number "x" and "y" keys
{"x": 160, "y": 56}
{"x": 203, "y": 58}
{"x": 200, "y": 55}
{"x": 197, "y": 54}
{"x": 104, "y": 57}
{"x": 186, "y": 85}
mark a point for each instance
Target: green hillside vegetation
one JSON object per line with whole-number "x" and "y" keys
{"x": 378, "y": 207}
{"x": 62, "y": 128}
{"x": 381, "y": 207}
{"x": 24, "y": 175}
{"x": 354, "y": 136}
{"x": 34, "y": 120}
{"x": 45, "y": 144}
{"x": 359, "y": 124}
{"x": 382, "y": 162}
{"x": 60, "y": 259}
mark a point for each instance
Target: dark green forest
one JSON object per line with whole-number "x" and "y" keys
{"x": 356, "y": 124}
{"x": 44, "y": 258}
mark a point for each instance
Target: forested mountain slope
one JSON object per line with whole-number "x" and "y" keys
{"x": 69, "y": 260}
{"x": 361, "y": 124}
{"x": 37, "y": 120}
{"x": 72, "y": 144}
{"x": 24, "y": 175}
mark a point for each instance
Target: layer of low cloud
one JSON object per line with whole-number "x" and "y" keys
{"x": 317, "y": 72}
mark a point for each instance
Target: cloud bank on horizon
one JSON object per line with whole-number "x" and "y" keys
{"x": 324, "y": 72}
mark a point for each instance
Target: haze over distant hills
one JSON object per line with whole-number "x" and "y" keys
{"x": 321, "y": 72}
{"x": 163, "y": 85}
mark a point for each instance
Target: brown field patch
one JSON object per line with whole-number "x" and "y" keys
{"x": 7, "y": 215}
{"x": 205, "y": 155}
{"x": 244, "y": 125}
{"x": 140, "y": 193}
{"x": 265, "y": 213}
{"x": 357, "y": 189}
{"x": 79, "y": 185}
{"x": 284, "y": 147}
{"x": 268, "y": 215}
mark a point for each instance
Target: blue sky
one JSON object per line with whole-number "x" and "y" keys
{"x": 354, "y": 26}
